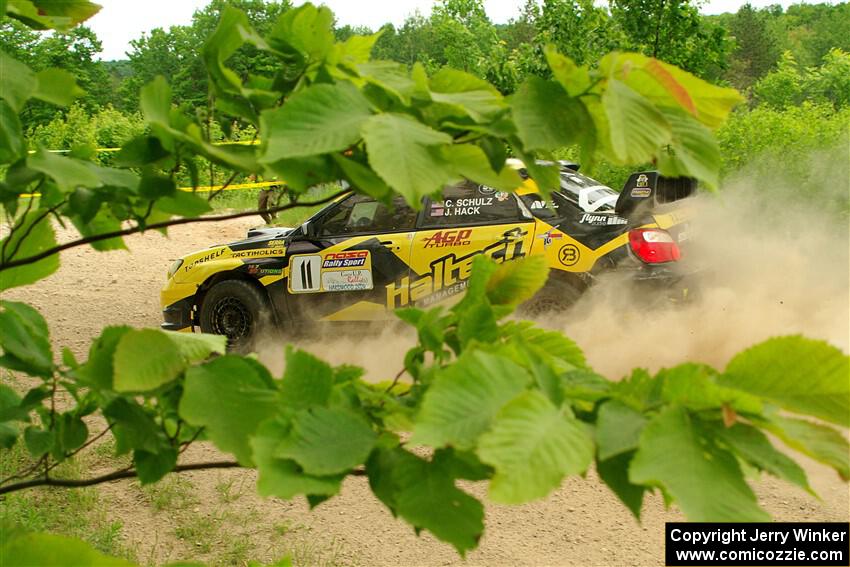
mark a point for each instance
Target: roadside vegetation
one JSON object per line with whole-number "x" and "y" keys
{"x": 484, "y": 398}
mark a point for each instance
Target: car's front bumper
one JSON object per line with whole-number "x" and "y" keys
{"x": 178, "y": 306}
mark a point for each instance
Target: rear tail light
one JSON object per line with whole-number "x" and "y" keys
{"x": 653, "y": 245}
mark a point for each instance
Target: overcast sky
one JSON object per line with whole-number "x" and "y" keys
{"x": 120, "y": 21}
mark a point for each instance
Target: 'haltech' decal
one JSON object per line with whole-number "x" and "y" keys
{"x": 449, "y": 273}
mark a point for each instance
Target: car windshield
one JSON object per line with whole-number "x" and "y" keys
{"x": 587, "y": 193}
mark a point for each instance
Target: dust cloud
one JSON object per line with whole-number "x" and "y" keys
{"x": 768, "y": 266}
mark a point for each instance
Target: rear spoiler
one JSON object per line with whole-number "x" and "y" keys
{"x": 650, "y": 189}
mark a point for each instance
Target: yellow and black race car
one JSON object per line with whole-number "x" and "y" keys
{"x": 358, "y": 259}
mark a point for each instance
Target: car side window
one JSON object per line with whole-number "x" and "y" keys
{"x": 359, "y": 214}
{"x": 468, "y": 204}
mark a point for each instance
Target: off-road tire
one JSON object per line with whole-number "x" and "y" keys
{"x": 238, "y": 310}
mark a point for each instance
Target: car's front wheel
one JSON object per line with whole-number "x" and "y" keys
{"x": 237, "y": 310}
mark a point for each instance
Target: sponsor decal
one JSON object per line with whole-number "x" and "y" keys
{"x": 350, "y": 270}
{"x": 460, "y": 207}
{"x": 642, "y": 180}
{"x": 257, "y": 271}
{"x": 343, "y": 260}
{"x": 204, "y": 259}
{"x": 444, "y": 238}
{"x": 484, "y": 190}
{"x": 347, "y": 280}
{"x": 641, "y": 192}
{"x": 502, "y": 196}
{"x": 273, "y": 243}
{"x": 548, "y": 236}
{"x": 569, "y": 255}
{"x": 601, "y": 220}
{"x": 449, "y": 271}
{"x": 259, "y": 252}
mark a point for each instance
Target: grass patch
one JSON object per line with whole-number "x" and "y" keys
{"x": 74, "y": 512}
{"x": 172, "y": 493}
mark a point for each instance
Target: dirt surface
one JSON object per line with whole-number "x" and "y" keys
{"x": 580, "y": 524}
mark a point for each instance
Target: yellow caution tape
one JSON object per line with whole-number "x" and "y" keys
{"x": 201, "y": 189}
{"x": 236, "y": 143}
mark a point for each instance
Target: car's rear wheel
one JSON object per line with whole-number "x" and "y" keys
{"x": 237, "y": 310}
{"x": 558, "y": 295}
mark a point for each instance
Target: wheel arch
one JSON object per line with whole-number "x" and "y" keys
{"x": 219, "y": 277}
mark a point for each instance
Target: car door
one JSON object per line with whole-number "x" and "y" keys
{"x": 469, "y": 220}
{"x": 358, "y": 249}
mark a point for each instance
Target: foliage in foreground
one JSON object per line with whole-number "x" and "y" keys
{"x": 488, "y": 399}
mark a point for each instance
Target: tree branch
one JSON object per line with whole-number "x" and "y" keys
{"x": 116, "y": 475}
{"x": 154, "y": 226}
{"x": 126, "y": 473}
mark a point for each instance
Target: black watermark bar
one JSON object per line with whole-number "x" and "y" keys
{"x": 764, "y": 544}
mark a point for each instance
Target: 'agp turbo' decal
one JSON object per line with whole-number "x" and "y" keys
{"x": 333, "y": 271}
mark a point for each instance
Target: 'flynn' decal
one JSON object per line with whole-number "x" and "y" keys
{"x": 449, "y": 273}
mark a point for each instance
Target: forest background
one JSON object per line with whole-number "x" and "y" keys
{"x": 793, "y": 65}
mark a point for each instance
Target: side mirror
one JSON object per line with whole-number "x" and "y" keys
{"x": 309, "y": 230}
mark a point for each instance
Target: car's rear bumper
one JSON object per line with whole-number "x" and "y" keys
{"x": 675, "y": 282}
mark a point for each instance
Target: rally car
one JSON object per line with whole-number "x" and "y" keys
{"x": 358, "y": 259}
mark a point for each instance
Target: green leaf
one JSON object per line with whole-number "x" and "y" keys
{"x": 308, "y": 29}
{"x": 230, "y": 398}
{"x": 155, "y": 101}
{"x": 547, "y": 118}
{"x": 465, "y": 397}
{"x": 102, "y": 223}
{"x": 38, "y": 441}
{"x": 48, "y": 550}
{"x": 667, "y": 85}
{"x": 820, "y": 442}
{"x": 754, "y": 447}
{"x": 574, "y": 79}
{"x": 390, "y": 77}
{"x": 515, "y": 282}
{"x": 33, "y": 235}
{"x": 618, "y": 429}
{"x": 673, "y": 442}
{"x": 328, "y": 441}
{"x": 151, "y": 467}
{"x": 8, "y": 435}
{"x": 467, "y": 93}
{"x": 533, "y": 445}
{"x": 694, "y": 151}
{"x": 71, "y": 432}
{"x": 12, "y": 145}
{"x": 614, "y": 472}
{"x": 400, "y": 151}
{"x": 133, "y": 427}
{"x": 317, "y": 120}
{"x": 637, "y": 128}
{"x": 184, "y": 204}
{"x": 471, "y": 162}
{"x": 798, "y": 374}
{"x": 362, "y": 177}
{"x": 18, "y": 82}
{"x": 57, "y": 86}
{"x": 693, "y": 386}
{"x": 24, "y": 339}
{"x": 554, "y": 343}
{"x": 307, "y": 381}
{"x": 144, "y": 360}
{"x": 282, "y": 477}
{"x": 140, "y": 151}
{"x": 425, "y": 495}
{"x": 196, "y": 347}
{"x": 61, "y": 15}
{"x": 68, "y": 173}
{"x": 98, "y": 370}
